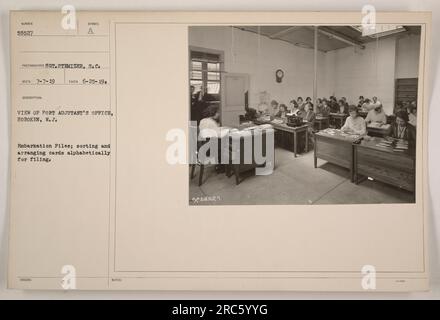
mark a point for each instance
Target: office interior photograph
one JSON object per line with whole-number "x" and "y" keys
{"x": 338, "y": 103}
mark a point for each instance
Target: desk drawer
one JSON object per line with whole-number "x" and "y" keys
{"x": 394, "y": 169}
{"x": 385, "y": 159}
{"x": 334, "y": 151}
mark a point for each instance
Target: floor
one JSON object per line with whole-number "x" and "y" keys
{"x": 294, "y": 181}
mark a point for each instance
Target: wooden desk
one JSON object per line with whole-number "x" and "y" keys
{"x": 289, "y": 137}
{"x": 381, "y": 131}
{"x": 322, "y": 122}
{"x": 396, "y": 168}
{"x": 338, "y": 119}
{"x": 239, "y": 158}
{"x": 335, "y": 148}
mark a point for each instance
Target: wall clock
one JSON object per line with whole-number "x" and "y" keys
{"x": 279, "y": 75}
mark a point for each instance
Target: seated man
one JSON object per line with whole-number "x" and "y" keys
{"x": 354, "y": 123}
{"x": 376, "y": 115}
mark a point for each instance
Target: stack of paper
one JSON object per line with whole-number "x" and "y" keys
{"x": 401, "y": 145}
{"x": 277, "y": 121}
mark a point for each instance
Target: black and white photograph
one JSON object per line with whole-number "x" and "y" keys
{"x": 237, "y": 153}
{"x": 303, "y": 114}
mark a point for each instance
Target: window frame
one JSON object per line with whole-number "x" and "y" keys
{"x": 205, "y": 70}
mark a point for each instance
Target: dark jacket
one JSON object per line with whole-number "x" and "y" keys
{"x": 324, "y": 111}
{"x": 309, "y": 116}
{"x": 334, "y": 106}
{"x": 409, "y": 134}
{"x": 198, "y": 106}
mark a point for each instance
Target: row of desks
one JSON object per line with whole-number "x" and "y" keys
{"x": 291, "y": 138}
{"x": 365, "y": 158}
{"x": 338, "y": 120}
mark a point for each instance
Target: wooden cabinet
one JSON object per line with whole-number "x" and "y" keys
{"x": 406, "y": 89}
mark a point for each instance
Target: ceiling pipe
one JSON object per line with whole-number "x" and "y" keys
{"x": 283, "y": 32}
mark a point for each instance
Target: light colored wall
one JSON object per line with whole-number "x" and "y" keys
{"x": 348, "y": 72}
{"x": 245, "y": 53}
{"x": 407, "y": 57}
{"x": 372, "y": 71}
{"x": 368, "y": 72}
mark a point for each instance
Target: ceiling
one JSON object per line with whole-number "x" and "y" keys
{"x": 329, "y": 37}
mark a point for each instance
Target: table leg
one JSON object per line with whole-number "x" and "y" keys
{"x": 237, "y": 174}
{"x": 295, "y": 143}
{"x": 353, "y": 170}
{"x": 307, "y": 140}
{"x": 315, "y": 159}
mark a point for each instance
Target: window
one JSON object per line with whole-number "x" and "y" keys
{"x": 205, "y": 74}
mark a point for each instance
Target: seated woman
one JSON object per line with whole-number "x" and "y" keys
{"x": 282, "y": 112}
{"x": 323, "y": 109}
{"x": 402, "y": 129}
{"x": 308, "y": 114}
{"x": 320, "y": 100}
{"x": 366, "y": 106}
{"x": 318, "y": 103}
{"x": 209, "y": 125}
{"x": 293, "y": 107}
{"x": 300, "y": 103}
{"x": 333, "y": 104}
{"x": 354, "y": 123}
{"x": 344, "y": 99}
{"x": 301, "y": 110}
{"x": 376, "y": 115}
{"x": 209, "y": 128}
{"x": 343, "y": 107}
{"x": 412, "y": 115}
{"x": 274, "y": 108}
{"x": 398, "y": 106}
{"x": 375, "y": 103}
{"x": 360, "y": 102}
{"x": 262, "y": 109}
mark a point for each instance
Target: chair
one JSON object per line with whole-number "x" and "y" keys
{"x": 195, "y": 161}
